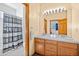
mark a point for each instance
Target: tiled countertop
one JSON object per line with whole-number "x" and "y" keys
{"x": 63, "y": 38}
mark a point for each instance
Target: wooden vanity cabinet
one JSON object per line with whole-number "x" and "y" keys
{"x": 55, "y": 48}
{"x": 50, "y": 48}
{"x": 78, "y": 49}
{"x": 67, "y": 49}
{"x": 39, "y": 46}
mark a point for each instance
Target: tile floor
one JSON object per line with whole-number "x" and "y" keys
{"x": 15, "y": 52}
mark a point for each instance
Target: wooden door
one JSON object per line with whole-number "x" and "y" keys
{"x": 45, "y": 26}
{"x": 62, "y": 26}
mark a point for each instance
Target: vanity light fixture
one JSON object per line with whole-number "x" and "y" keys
{"x": 56, "y": 10}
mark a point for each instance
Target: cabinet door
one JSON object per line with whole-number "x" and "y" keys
{"x": 63, "y": 51}
{"x": 50, "y": 48}
{"x": 39, "y": 46}
{"x": 67, "y": 49}
{"x": 78, "y": 49}
{"x": 62, "y": 26}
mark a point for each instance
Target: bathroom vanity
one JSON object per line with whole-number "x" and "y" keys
{"x": 56, "y": 45}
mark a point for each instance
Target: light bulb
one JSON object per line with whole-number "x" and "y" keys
{"x": 49, "y": 12}
{"x": 52, "y": 11}
{"x": 59, "y": 10}
{"x": 56, "y": 11}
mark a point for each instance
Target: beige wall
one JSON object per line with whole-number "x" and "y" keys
{"x": 34, "y": 24}
{"x": 75, "y": 21}
{"x": 37, "y": 21}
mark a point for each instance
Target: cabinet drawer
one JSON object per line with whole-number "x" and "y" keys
{"x": 50, "y": 42}
{"x": 38, "y": 40}
{"x": 50, "y": 53}
{"x": 68, "y": 45}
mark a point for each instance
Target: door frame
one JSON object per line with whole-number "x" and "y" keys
{"x": 26, "y": 49}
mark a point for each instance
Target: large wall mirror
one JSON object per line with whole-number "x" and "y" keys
{"x": 55, "y": 21}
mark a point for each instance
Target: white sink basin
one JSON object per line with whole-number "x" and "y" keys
{"x": 54, "y": 36}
